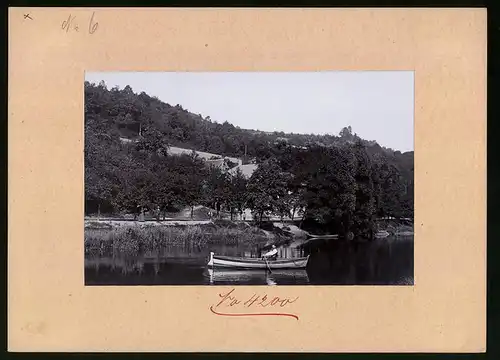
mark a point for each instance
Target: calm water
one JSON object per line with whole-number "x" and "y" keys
{"x": 386, "y": 261}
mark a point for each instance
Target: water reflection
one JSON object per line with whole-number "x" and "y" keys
{"x": 386, "y": 261}
{"x": 263, "y": 277}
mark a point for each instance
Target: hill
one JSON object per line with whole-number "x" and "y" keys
{"x": 127, "y": 113}
{"x": 138, "y": 155}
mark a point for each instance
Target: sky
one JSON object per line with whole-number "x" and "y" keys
{"x": 378, "y": 105}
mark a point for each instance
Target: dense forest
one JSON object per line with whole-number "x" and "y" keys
{"x": 343, "y": 182}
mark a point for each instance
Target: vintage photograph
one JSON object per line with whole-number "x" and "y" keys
{"x": 249, "y": 178}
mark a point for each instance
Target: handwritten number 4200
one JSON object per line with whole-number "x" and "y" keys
{"x": 70, "y": 24}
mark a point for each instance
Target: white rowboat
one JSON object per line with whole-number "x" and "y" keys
{"x": 382, "y": 234}
{"x": 326, "y": 237}
{"x": 217, "y": 261}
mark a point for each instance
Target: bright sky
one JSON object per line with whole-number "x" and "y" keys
{"x": 378, "y": 105}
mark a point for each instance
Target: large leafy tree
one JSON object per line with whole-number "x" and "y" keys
{"x": 237, "y": 196}
{"x": 267, "y": 189}
{"x": 138, "y": 191}
{"x": 152, "y": 141}
{"x": 216, "y": 188}
{"x": 365, "y": 192}
{"x": 192, "y": 171}
{"x": 169, "y": 185}
{"x": 324, "y": 186}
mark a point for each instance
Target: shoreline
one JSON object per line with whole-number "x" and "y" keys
{"x": 107, "y": 236}
{"x": 94, "y": 223}
{"x": 139, "y": 237}
{"x": 278, "y": 227}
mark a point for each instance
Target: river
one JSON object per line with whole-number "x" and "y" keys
{"x": 387, "y": 261}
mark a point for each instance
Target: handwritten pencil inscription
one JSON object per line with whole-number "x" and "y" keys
{"x": 93, "y": 25}
{"x": 71, "y": 24}
{"x": 256, "y": 305}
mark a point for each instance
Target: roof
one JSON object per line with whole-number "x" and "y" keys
{"x": 247, "y": 170}
{"x": 174, "y": 150}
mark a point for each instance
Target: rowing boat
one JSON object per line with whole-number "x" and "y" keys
{"x": 219, "y": 261}
{"x": 381, "y": 234}
{"x": 326, "y": 237}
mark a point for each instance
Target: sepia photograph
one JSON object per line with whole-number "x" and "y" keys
{"x": 249, "y": 178}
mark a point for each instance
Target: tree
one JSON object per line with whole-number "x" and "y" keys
{"x": 391, "y": 191}
{"x": 98, "y": 175}
{"x": 97, "y": 188}
{"x": 169, "y": 187}
{"x": 267, "y": 188}
{"x": 192, "y": 174}
{"x": 296, "y": 201}
{"x": 216, "y": 188}
{"x": 283, "y": 206}
{"x": 365, "y": 198}
{"x": 138, "y": 191}
{"x": 237, "y": 196}
{"x": 346, "y": 132}
{"x": 153, "y": 142}
{"x": 329, "y": 187}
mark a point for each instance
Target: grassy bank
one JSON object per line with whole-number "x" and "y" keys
{"x": 137, "y": 239}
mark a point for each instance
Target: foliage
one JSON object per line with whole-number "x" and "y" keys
{"x": 268, "y": 189}
{"x": 237, "y": 196}
{"x": 342, "y": 182}
{"x": 216, "y": 188}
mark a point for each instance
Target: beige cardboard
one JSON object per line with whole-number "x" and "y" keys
{"x": 50, "y": 309}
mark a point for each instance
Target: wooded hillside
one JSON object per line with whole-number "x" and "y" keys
{"x": 340, "y": 180}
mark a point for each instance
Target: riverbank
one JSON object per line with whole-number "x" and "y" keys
{"x": 110, "y": 224}
{"x": 132, "y": 237}
{"x": 272, "y": 228}
{"x": 112, "y": 235}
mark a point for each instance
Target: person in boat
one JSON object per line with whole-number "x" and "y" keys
{"x": 272, "y": 254}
